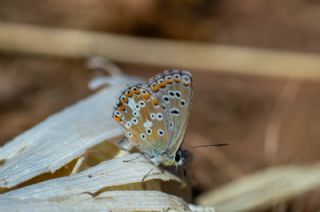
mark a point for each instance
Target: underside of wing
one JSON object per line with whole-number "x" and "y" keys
{"x": 143, "y": 120}
{"x": 174, "y": 90}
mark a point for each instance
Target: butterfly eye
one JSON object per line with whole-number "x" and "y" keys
{"x": 180, "y": 157}
{"x": 177, "y": 157}
{"x": 161, "y": 132}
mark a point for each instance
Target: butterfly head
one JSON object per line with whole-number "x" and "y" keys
{"x": 178, "y": 159}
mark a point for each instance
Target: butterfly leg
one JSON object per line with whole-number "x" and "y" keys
{"x": 135, "y": 158}
{"x": 148, "y": 173}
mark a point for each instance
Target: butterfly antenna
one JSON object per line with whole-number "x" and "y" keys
{"x": 208, "y": 145}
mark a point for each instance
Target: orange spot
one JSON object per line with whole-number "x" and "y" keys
{"x": 117, "y": 118}
{"x": 169, "y": 81}
{"x": 122, "y": 107}
{"x": 162, "y": 84}
{"x": 155, "y": 102}
{"x": 155, "y": 87}
{"x": 136, "y": 91}
{"x": 125, "y": 100}
{"x": 129, "y": 94}
{"x": 146, "y": 96}
{"x": 177, "y": 80}
{"x": 187, "y": 83}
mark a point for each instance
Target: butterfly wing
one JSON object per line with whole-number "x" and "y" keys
{"x": 174, "y": 90}
{"x": 143, "y": 120}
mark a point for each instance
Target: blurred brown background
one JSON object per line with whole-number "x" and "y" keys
{"x": 267, "y": 121}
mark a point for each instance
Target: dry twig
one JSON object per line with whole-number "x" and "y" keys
{"x": 76, "y": 43}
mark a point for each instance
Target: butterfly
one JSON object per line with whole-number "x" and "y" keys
{"x": 154, "y": 116}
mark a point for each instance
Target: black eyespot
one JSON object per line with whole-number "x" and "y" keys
{"x": 142, "y": 136}
{"x": 177, "y": 157}
{"x": 178, "y": 94}
{"x": 166, "y": 98}
{"x": 171, "y": 93}
{"x": 135, "y": 121}
{"x": 182, "y": 103}
{"x": 174, "y": 111}
{"x": 164, "y": 107}
{"x": 142, "y": 104}
{"x": 137, "y": 106}
{"x": 160, "y": 132}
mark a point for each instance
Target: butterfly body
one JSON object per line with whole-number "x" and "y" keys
{"x": 154, "y": 116}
